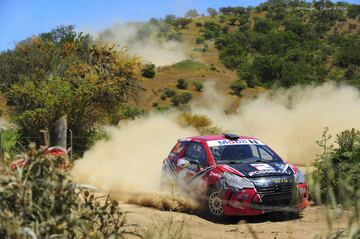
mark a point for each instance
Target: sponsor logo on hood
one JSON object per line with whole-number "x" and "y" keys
{"x": 267, "y": 171}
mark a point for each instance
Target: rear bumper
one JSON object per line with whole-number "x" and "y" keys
{"x": 248, "y": 202}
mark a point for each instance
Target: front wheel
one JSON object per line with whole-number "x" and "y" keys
{"x": 214, "y": 204}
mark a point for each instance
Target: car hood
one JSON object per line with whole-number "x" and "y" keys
{"x": 262, "y": 169}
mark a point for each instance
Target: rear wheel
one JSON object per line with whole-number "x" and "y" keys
{"x": 214, "y": 204}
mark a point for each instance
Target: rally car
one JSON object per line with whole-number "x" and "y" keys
{"x": 234, "y": 175}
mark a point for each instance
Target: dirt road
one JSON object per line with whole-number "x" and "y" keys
{"x": 312, "y": 222}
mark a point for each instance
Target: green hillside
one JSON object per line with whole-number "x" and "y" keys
{"x": 278, "y": 43}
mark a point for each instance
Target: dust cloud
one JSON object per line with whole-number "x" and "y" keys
{"x": 129, "y": 164}
{"x": 141, "y": 40}
{"x": 289, "y": 120}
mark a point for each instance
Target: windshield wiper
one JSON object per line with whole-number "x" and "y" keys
{"x": 234, "y": 162}
{"x": 261, "y": 161}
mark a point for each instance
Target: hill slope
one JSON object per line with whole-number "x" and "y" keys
{"x": 278, "y": 43}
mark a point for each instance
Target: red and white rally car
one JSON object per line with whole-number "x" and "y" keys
{"x": 235, "y": 175}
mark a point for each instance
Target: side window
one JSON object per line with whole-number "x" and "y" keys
{"x": 179, "y": 146}
{"x": 265, "y": 155}
{"x": 196, "y": 152}
{"x": 255, "y": 152}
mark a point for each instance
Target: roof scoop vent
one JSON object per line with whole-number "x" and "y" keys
{"x": 231, "y": 136}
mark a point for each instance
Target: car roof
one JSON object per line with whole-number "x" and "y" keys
{"x": 213, "y": 137}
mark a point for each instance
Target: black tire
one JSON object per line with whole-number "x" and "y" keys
{"x": 214, "y": 204}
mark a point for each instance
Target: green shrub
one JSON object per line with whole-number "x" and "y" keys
{"x": 200, "y": 40}
{"x": 190, "y": 65}
{"x": 251, "y": 79}
{"x": 148, "y": 71}
{"x": 181, "y": 99}
{"x": 132, "y": 112}
{"x": 262, "y": 25}
{"x": 237, "y": 87}
{"x": 182, "y": 84}
{"x": 40, "y": 201}
{"x": 198, "y": 85}
{"x": 337, "y": 178}
{"x": 162, "y": 108}
{"x": 9, "y": 139}
{"x": 167, "y": 93}
{"x": 200, "y": 122}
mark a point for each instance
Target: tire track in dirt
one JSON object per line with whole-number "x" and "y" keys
{"x": 311, "y": 222}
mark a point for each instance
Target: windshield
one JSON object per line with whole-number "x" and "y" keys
{"x": 243, "y": 153}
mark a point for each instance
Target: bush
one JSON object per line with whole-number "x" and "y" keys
{"x": 132, "y": 112}
{"x": 349, "y": 53}
{"x": 40, "y": 201}
{"x": 190, "y": 65}
{"x": 237, "y": 87}
{"x": 148, "y": 71}
{"x": 167, "y": 93}
{"x": 263, "y": 26}
{"x": 200, "y": 122}
{"x": 162, "y": 108}
{"x": 337, "y": 178}
{"x": 181, "y": 99}
{"x": 251, "y": 79}
{"x": 9, "y": 139}
{"x": 182, "y": 84}
{"x": 200, "y": 40}
{"x": 198, "y": 85}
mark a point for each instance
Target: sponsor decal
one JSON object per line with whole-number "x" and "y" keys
{"x": 214, "y": 174}
{"x": 280, "y": 180}
{"x": 262, "y": 166}
{"x": 266, "y": 172}
{"x": 234, "y": 142}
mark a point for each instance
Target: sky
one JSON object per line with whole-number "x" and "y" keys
{"x": 20, "y": 19}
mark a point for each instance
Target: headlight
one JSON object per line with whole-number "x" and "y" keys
{"x": 236, "y": 182}
{"x": 299, "y": 177}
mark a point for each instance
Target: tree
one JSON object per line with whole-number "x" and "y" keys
{"x": 250, "y": 79}
{"x": 170, "y": 19}
{"x": 182, "y": 22}
{"x": 267, "y": 68}
{"x": 191, "y": 13}
{"x": 200, "y": 40}
{"x": 349, "y": 53}
{"x": 212, "y": 12}
{"x": 148, "y": 71}
{"x": 262, "y": 25}
{"x": 62, "y": 72}
{"x": 182, "y": 84}
{"x": 232, "y": 20}
{"x": 237, "y": 87}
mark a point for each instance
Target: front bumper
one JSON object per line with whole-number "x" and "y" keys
{"x": 248, "y": 202}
